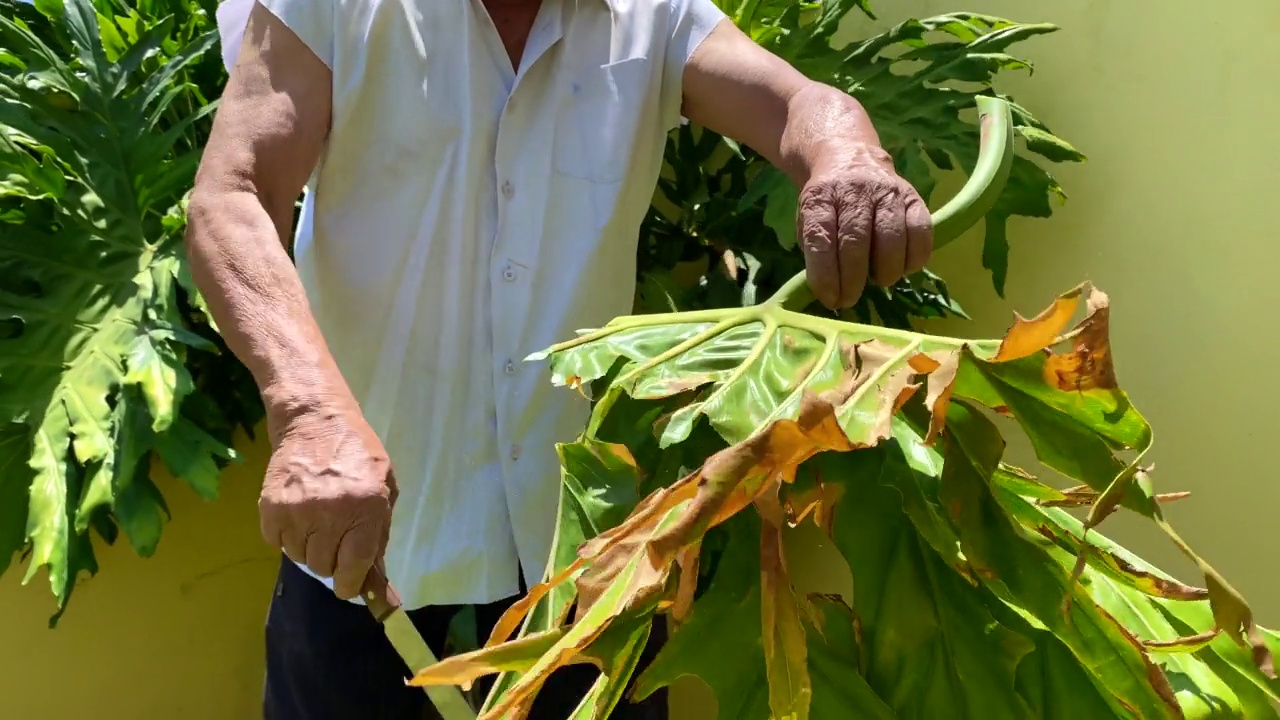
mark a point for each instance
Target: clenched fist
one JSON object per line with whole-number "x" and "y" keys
{"x": 859, "y": 221}
{"x": 328, "y": 493}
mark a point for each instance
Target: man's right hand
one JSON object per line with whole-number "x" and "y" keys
{"x": 328, "y": 493}
{"x": 327, "y": 497}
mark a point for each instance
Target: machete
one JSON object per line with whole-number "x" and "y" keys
{"x": 408, "y": 642}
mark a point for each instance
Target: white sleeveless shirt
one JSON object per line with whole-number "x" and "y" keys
{"x": 462, "y": 216}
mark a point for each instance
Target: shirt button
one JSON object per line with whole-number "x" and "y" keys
{"x": 508, "y": 190}
{"x": 509, "y": 274}
{"x": 515, "y": 453}
{"x": 510, "y": 367}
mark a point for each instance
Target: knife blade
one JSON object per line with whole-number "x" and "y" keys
{"x": 384, "y": 602}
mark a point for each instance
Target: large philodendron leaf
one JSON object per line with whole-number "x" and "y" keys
{"x": 967, "y": 601}
{"x": 93, "y": 351}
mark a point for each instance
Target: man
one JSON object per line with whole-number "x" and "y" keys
{"x": 477, "y": 171}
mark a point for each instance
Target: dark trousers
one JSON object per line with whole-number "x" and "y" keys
{"x": 328, "y": 659}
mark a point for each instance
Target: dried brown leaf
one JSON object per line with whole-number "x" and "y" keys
{"x": 514, "y": 615}
{"x": 645, "y": 583}
{"x": 940, "y": 382}
{"x": 1088, "y": 365}
{"x": 630, "y": 583}
{"x": 1188, "y": 644}
{"x": 1027, "y": 337}
{"x": 465, "y": 669}
{"x": 688, "y": 561}
{"x": 727, "y": 482}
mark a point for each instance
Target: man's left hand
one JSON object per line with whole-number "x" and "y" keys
{"x": 859, "y": 221}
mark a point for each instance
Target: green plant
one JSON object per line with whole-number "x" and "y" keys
{"x": 975, "y": 594}
{"x": 721, "y": 232}
{"x": 105, "y": 359}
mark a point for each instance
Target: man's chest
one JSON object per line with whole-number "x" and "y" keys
{"x": 513, "y": 20}
{"x": 427, "y": 84}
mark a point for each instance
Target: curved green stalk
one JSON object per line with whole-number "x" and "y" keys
{"x": 980, "y": 193}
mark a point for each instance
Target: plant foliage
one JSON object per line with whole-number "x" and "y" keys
{"x": 975, "y": 594}
{"x": 721, "y": 232}
{"x": 105, "y": 359}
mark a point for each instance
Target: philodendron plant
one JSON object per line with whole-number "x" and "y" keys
{"x": 976, "y": 594}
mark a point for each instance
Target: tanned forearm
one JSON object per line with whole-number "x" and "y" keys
{"x": 254, "y": 294}
{"x": 824, "y": 125}
{"x": 265, "y": 141}
{"x": 736, "y": 88}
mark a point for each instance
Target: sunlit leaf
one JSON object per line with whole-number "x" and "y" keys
{"x": 973, "y": 596}
{"x": 97, "y": 366}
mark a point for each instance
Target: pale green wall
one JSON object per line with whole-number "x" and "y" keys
{"x": 1177, "y": 109}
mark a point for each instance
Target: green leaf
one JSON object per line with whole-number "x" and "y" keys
{"x": 94, "y": 361}
{"x": 932, "y": 649}
{"x": 995, "y": 250}
{"x": 781, "y": 203}
{"x": 966, "y": 602}
{"x": 839, "y": 690}
{"x": 1050, "y": 146}
{"x": 1185, "y": 613}
{"x": 15, "y": 484}
{"x": 729, "y": 611}
{"x": 599, "y": 486}
{"x": 1027, "y": 578}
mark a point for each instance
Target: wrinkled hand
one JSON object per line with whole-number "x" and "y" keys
{"x": 859, "y": 220}
{"x": 328, "y": 493}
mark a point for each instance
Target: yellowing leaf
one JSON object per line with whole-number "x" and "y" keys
{"x": 1031, "y": 336}
{"x": 785, "y": 649}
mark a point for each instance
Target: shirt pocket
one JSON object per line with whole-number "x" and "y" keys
{"x": 596, "y": 130}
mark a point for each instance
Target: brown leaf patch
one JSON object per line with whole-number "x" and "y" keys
{"x": 940, "y": 382}
{"x": 727, "y": 482}
{"x": 881, "y": 372}
{"x": 819, "y": 499}
{"x": 646, "y": 583}
{"x": 676, "y": 386}
{"x": 463, "y": 670}
{"x": 1159, "y": 681}
{"x": 1146, "y": 582}
{"x": 514, "y": 615}
{"x": 688, "y": 560}
{"x": 1088, "y": 365}
{"x": 1027, "y": 337}
{"x": 1188, "y": 644}
{"x": 633, "y": 586}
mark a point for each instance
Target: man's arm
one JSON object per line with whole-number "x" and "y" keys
{"x": 857, "y": 216}
{"x": 327, "y": 495}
